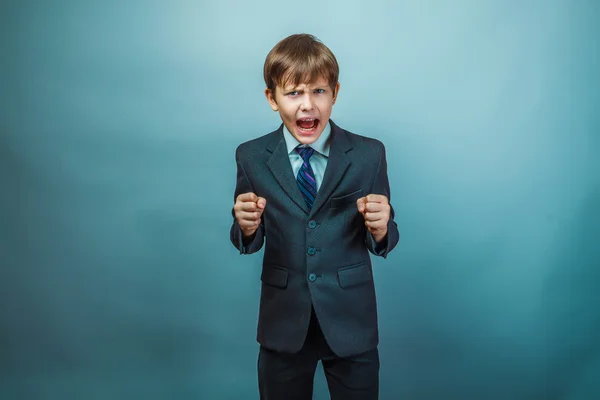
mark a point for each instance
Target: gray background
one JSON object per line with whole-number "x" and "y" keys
{"x": 119, "y": 122}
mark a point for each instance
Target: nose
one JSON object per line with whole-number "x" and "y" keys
{"x": 307, "y": 102}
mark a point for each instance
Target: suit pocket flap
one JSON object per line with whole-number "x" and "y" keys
{"x": 340, "y": 201}
{"x": 354, "y": 275}
{"x": 274, "y": 276}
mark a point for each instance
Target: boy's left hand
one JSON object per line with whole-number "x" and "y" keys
{"x": 375, "y": 208}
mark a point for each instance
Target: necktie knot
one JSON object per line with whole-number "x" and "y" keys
{"x": 305, "y": 152}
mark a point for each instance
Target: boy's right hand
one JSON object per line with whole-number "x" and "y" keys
{"x": 248, "y": 210}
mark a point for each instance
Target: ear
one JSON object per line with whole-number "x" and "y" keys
{"x": 271, "y": 99}
{"x": 335, "y": 92}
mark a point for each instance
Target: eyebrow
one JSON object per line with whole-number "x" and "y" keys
{"x": 295, "y": 89}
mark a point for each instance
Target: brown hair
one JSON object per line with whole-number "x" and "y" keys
{"x": 300, "y": 58}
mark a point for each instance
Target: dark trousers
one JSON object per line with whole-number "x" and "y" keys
{"x": 284, "y": 376}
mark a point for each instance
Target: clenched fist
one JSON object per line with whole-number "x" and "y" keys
{"x": 248, "y": 210}
{"x": 375, "y": 208}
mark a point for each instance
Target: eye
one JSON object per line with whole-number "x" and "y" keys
{"x": 294, "y": 93}
{"x": 320, "y": 91}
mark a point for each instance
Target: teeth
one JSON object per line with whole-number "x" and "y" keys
{"x": 311, "y": 121}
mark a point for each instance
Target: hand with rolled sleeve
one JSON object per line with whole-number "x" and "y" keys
{"x": 248, "y": 210}
{"x": 375, "y": 209}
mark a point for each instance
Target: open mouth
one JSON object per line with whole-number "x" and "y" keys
{"x": 307, "y": 125}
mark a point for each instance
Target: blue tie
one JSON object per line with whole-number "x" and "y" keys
{"x": 306, "y": 176}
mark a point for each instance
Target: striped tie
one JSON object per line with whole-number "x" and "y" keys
{"x": 306, "y": 177}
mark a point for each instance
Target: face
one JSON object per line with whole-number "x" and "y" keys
{"x": 304, "y": 109}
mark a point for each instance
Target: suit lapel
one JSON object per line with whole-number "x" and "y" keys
{"x": 279, "y": 163}
{"x": 337, "y": 164}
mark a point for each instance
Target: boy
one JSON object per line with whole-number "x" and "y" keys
{"x": 319, "y": 195}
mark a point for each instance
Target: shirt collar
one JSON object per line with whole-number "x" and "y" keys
{"x": 321, "y": 145}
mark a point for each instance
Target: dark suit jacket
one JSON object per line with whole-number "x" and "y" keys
{"x": 319, "y": 257}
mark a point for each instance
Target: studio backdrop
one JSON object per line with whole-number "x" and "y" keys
{"x": 119, "y": 123}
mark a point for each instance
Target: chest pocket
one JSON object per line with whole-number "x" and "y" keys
{"x": 345, "y": 200}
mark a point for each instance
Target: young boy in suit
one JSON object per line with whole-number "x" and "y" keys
{"x": 320, "y": 197}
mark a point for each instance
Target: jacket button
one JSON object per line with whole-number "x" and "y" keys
{"x": 312, "y": 277}
{"x": 311, "y": 250}
{"x": 312, "y": 224}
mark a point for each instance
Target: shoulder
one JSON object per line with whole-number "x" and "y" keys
{"x": 365, "y": 144}
{"x": 254, "y": 147}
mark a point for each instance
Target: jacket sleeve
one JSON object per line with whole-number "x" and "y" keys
{"x": 255, "y": 242}
{"x": 381, "y": 185}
